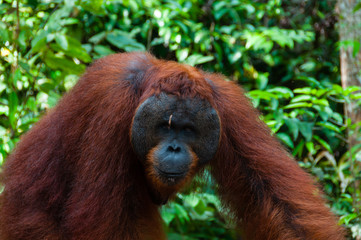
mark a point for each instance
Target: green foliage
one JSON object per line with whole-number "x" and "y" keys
{"x": 197, "y": 215}
{"x": 284, "y": 53}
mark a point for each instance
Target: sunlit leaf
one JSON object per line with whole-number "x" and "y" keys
{"x": 196, "y": 59}
{"x": 62, "y": 41}
{"x": 329, "y": 125}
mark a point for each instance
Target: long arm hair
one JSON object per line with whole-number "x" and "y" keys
{"x": 270, "y": 195}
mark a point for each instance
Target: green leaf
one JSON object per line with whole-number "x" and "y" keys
{"x": 357, "y": 7}
{"x": 96, "y": 7}
{"x": 286, "y": 139}
{"x": 330, "y": 126}
{"x": 301, "y": 98}
{"x": 356, "y": 48}
{"x": 39, "y": 41}
{"x": 176, "y": 236}
{"x": 4, "y": 33}
{"x": 280, "y": 36}
{"x": 351, "y": 89}
{"x": 103, "y": 50}
{"x": 75, "y": 50}
{"x": 62, "y": 41}
{"x": 201, "y": 207}
{"x": 311, "y": 148}
{"x": 298, "y": 105}
{"x": 298, "y": 150}
{"x": 3, "y": 86}
{"x": 13, "y": 105}
{"x": 67, "y": 65}
{"x": 261, "y": 94}
{"x": 212, "y": 199}
{"x": 308, "y": 66}
{"x": 31, "y": 104}
{"x": 182, "y": 54}
{"x": 234, "y": 57}
{"x": 70, "y": 81}
{"x": 262, "y": 80}
{"x": 69, "y": 21}
{"x": 338, "y": 117}
{"x": 292, "y": 124}
{"x": 322, "y": 102}
{"x": 285, "y": 92}
{"x": 257, "y": 41}
{"x": 4, "y": 109}
{"x": 22, "y": 39}
{"x": 181, "y": 212}
{"x": 53, "y": 99}
{"x": 46, "y": 85}
{"x": 167, "y": 216}
{"x": 196, "y": 59}
{"x": 306, "y": 129}
{"x": 97, "y": 37}
{"x": 191, "y": 200}
{"x": 337, "y": 88}
{"x": 310, "y": 80}
{"x": 218, "y": 14}
{"x": 306, "y": 90}
{"x": 122, "y": 40}
{"x": 346, "y": 219}
{"x": 324, "y": 115}
{"x": 323, "y": 143}
{"x": 16, "y": 76}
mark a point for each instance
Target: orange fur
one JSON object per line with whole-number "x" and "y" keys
{"x": 75, "y": 176}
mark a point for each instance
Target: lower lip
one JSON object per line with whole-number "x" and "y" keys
{"x": 170, "y": 175}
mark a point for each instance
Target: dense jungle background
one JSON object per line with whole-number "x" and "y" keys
{"x": 286, "y": 54}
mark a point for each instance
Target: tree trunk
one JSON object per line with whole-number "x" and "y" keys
{"x": 350, "y": 60}
{"x": 350, "y": 31}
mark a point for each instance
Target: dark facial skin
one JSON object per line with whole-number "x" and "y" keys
{"x": 175, "y": 133}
